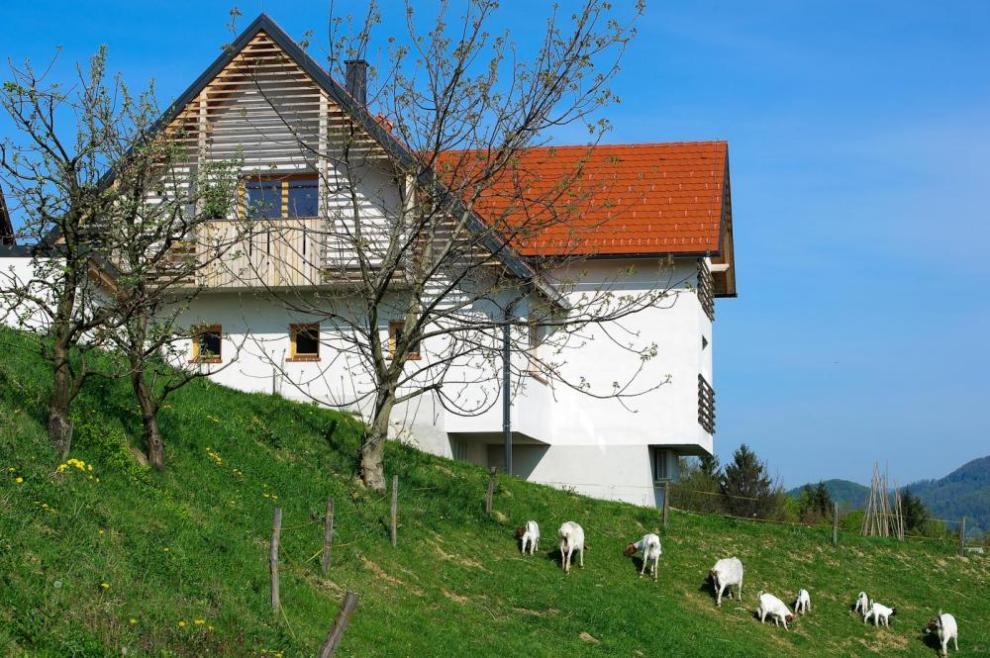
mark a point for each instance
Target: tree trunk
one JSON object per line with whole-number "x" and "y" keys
{"x": 373, "y": 446}
{"x": 59, "y": 425}
{"x": 154, "y": 447}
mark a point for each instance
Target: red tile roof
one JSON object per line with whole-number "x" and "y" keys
{"x": 622, "y": 199}
{"x": 618, "y": 199}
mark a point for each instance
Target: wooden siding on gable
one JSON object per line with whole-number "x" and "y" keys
{"x": 265, "y": 112}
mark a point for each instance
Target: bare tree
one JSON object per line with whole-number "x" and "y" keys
{"x": 420, "y": 279}
{"x": 163, "y": 252}
{"x": 53, "y": 175}
{"x": 120, "y": 214}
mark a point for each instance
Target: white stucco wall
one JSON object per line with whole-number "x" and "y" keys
{"x": 17, "y": 272}
{"x": 600, "y": 447}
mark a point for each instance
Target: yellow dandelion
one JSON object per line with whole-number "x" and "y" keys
{"x": 132, "y": 621}
{"x": 104, "y": 586}
{"x": 11, "y": 469}
{"x": 182, "y": 623}
{"x": 209, "y": 628}
{"x": 19, "y": 480}
{"x": 89, "y": 467}
{"x": 100, "y": 531}
{"x": 199, "y": 622}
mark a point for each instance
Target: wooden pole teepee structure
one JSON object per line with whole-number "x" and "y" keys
{"x": 881, "y": 518}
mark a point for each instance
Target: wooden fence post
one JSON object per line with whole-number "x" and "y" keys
{"x": 339, "y": 626}
{"x": 327, "y": 536}
{"x": 489, "y": 495}
{"x": 835, "y": 524}
{"x": 395, "y": 509}
{"x": 666, "y": 503}
{"x": 962, "y": 536}
{"x": 273, "y": 555}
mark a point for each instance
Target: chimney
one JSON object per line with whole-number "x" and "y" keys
{"x": 356, "y": 73}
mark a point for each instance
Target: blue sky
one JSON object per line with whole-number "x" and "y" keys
{"x": 858, "y": 136}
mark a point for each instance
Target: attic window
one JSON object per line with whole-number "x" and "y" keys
{"x": 263, "y": 199}
{"x": 207, "y": 344}
{"x": 295, "y": 195}
{"x": 305, "y": 342}
{"x": 302, "y": 194}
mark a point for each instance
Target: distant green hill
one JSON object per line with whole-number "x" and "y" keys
{"x": 850, "y": 495}
{"x": 963, "y": 492}
{"x": 122, "y": 560}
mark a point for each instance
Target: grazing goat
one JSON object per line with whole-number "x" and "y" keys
{"x": 862, "y": 603}
{"x": 650, "y": 545}
{"x": 726, "y": 573}
{"x": 571, "y": 539}
{"x": 880, "y": 614}
{"x": 945, "y": 627}
{"x": 529, "y": 535}
{"x": 771, "y": 606}
{"x": 802, "y": 603}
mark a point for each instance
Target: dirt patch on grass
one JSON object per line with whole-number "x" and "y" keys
{"x": 549, "y": 612}
{"x": 884, "y": 641}
{"x": 456, "y": 598}
{"x": 450, "y": 557}
{"x": 379, "y": 572}
{"x": 588, "y": 637}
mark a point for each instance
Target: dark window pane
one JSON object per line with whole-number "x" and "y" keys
{"x": 264, "y": 199}
{"x": 209, "y": 344}
{"x": 302, "y": 197}
{"x": 308, "y": 340}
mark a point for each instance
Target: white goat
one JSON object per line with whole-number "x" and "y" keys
{"x": 802, "y": 603}
{"x": 650, "y": 545}
{"x": 862, "y": 603}
{"x": 529, "y": 536}
{"x": 881, "y": 614}
{"x": 771, "y": 606}
{"x": 726, "y": 573}
{"x": 571, "y": 539}
{"x": 945, "y": 627}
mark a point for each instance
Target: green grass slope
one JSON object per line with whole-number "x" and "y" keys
{"x": 119, "y": 560}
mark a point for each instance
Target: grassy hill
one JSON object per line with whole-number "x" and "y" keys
{"x": 849, "y": 494}
{"x": 963, "y": 492}
{"x": 119, "y": 558}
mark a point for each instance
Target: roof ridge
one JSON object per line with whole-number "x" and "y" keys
{"x": 633, "y": 145}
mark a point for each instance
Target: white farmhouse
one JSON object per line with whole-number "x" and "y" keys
{"x": 658, "y": 218}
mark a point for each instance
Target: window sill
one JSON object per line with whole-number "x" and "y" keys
{"x": 205, "y": 360}
{"x": 303, "y": 359}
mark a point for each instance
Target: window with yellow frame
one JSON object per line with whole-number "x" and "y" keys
{"x": 207, "y": 344}
{"x": 275, "y": 197}
{"x": 395, "y": 336}
{"x": 304, "y": 342}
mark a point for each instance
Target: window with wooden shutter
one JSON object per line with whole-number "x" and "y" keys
{"x": 706, "y": 289}
{"x": 706, "y": 405}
